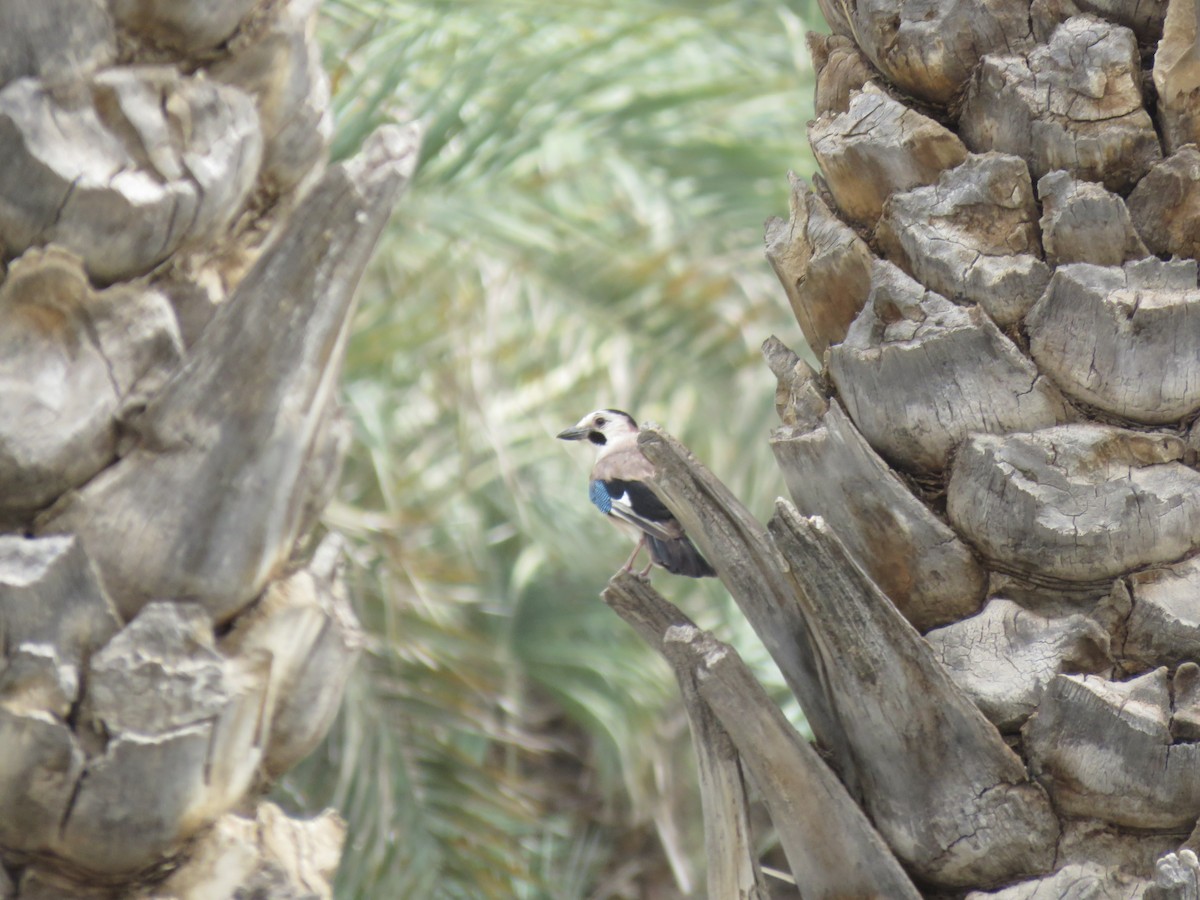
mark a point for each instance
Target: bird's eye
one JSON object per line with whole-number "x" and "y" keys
{"x": 600, "y": 421}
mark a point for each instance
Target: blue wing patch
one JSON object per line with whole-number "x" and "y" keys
{"x": 600, "y": 496}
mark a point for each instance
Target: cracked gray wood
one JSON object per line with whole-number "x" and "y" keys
{"x": 1165, "y": 205}
{"x": 304, "y": 624}
{"x": 1081, "y": 503}
{"x": 917, "y": 374}
{"x": 94, "y": 354}
{"x": 1144, "y": 18}
{"x": 824, "y": 267}
{"x": 924, "y": 569}
{"x": 818, "y": 824}
{"x": 1164, "y": 624}
{"x": 1082, "y": 222}
{"x": 53, "y": 615}
{"x": 930, "y": 50}
{"x": 1074, "y": 103}
{"x": 1005, "y": 656}
{"x": 972, "y": 236}
{"x": 1104, "y": 750}
{"x": 950, "y": 798}
{"x": 1177, "y": 75}
{"x": 1102, "y": 334}
{"x": 1075, "y": 880}
{"x": 124, "y": 168}
{"x": 740, "y": 550}
{"x": 876, "y": 148}
{"x": 732, "y": 864}
{"x": 237, "y": 446}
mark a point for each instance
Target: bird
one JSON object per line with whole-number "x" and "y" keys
{"x": 618, "y": 489}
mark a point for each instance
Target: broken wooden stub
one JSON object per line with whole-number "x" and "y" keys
{"x": 293, "y": 308}
{"x": 820, "y": 827}
{"x": 824, "y": 267}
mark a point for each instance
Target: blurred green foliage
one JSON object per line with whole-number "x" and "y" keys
{"x": 584, "y": 230}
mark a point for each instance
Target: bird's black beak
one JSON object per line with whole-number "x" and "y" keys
{"x": 573, "y": 434}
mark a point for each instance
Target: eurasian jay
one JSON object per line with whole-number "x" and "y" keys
{"x": 619, "y": 490}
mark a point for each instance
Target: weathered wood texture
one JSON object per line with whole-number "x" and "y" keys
{"x": 917, "y": 374}
{"x": 1073, "y": 103}
{"x": 229, "y": 435}
{"x": 1001, "y": 444}
{"x": 177, "y": 270}
{"x": 735, "y": 723}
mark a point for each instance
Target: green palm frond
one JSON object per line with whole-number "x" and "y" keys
{"x": 583, "y": 230}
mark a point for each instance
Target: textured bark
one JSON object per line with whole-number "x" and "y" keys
{"x": 178, "y": 271}
{"x": 1001, "y": 447}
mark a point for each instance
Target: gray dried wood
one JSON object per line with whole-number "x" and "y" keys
{"x": 1082, "y": 222}
{"x": 54, "y": 39}
{"x": 801, "y": 398}
{"x": 876, "y": 148}
{"x": 1133, "y": 853}
{"x": 930, "y": 50}
{"x": 182, "y": 27}
{"x": 1074, "y": 103}
{"x": 1103, "y": 333}
{"x": 183, "y": 733}
{"x": 732, "y": 864}
{"x": 1165, "y": 205}
{"x": 229, "y": 438}
{"x": 840, "y": 70}
{"x": 1185, "y": 698}
{"x": 1104, "y": 750}
{"x": 1145, "y": 17}
{"x": 740, "y": 549}
{"x": 282, "y": 70}
{"x": 917, "y": 374}
{"x": 951, "y": 799}
{"x": 824, "y": 267}
{"x": 972, "y": 236}
{"x": 71, "y": 359}
{"x": 819, "y": 826}
{"x": 305, "y": 626}
{"x": 53, "y": 616}
{"x": 1081, "y": 503}
{"x": 1164, "y": 624}
{"x": 922, "y": 566}
{"x": 124, "y": 168}
{"x": 1005, "y": 656}
{"x": 1177, "y": 75}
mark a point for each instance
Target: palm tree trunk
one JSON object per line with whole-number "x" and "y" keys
{"x": 984, "y": 591}
{"x": 179, "y": 271}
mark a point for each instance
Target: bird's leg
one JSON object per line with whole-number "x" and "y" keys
{"x": 628, "y": 567}
{"x": 645, "y": 573}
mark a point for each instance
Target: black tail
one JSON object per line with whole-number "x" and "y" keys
{"x": 679, "y": 557}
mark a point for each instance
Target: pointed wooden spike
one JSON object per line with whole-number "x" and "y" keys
{"x": 1177, "y": 75}
{"x": 208, "y": 511}
{"x": 729, "y": 846}
{"x": 1082, "y": 222}
{"x": 819, "y": 825}
{"x": 1104, "y": 750}
{"x": 945, "y": 791}
{"x": 1165, "y": 205}
{"x": 739, "y": 548}
{"x": 915, "y": 558}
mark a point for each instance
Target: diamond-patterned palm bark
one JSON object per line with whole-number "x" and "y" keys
{"x": 177, "y": 271}
{"x": 984, "y": 590}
